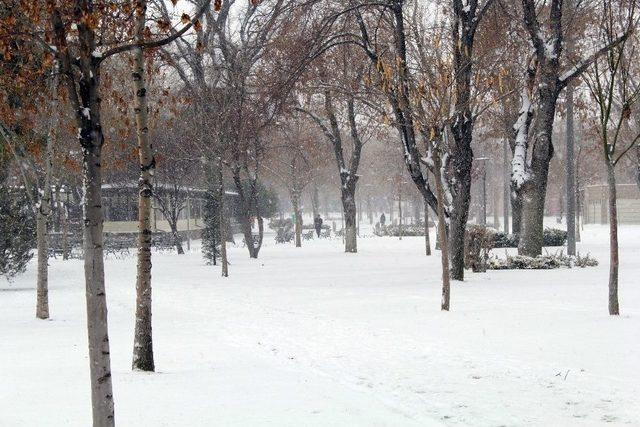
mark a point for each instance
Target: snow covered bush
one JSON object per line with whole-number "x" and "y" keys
{"x": 550, "y": 237}
{"x": 394, "y": 230}
{"x": 274, "y": 224}
{"x": 541, "y": 262}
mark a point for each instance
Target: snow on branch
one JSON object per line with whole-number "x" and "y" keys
{"x": 579, "y": 68}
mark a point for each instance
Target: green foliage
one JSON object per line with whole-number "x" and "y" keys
{"x": 268, "y": 201}
{"x": 17, "y": 231}
{"x": 211, "y": 231}
{"x": 550, "y": 237}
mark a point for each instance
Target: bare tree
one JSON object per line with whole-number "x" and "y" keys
{"x": 72, "y": 35}
{"x": 338, "y": 112}
{"x": 610, "y": 83}
{"x": 547, "y": 77}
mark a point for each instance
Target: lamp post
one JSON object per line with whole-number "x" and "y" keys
{"x": 482, "y": 217}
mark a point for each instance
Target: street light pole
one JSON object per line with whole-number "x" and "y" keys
{"x": 483, "y": 201}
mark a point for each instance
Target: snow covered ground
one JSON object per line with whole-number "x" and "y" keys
{"x": 316, "y": 337}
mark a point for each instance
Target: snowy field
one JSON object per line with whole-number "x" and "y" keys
{"x": 316, "y": 337}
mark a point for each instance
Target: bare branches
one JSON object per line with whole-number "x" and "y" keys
{"x": 157, "y": 43}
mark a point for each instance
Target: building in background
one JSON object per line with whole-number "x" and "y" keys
{"x": 595, "y": 209}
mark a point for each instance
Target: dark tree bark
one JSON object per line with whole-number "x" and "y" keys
{"x": 297, "y": 213}
{"x": 222, "y": 220}
{"x": 245, "y": 212}
{"x": 400, "y": 214}
{"x": 550, "y": 82}
{"x": 614, "y": 307}
{"x": 638, "y": 166}
{"x": 315, "y": 199}
{"x": 468, "y": 15}
{"x": 570, "y": 174}
{"x": 348, "y": 171}
{"x": 427, "y": 239}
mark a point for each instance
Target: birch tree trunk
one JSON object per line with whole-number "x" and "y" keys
{"x": 44, "y": 212}
{"x": 143, "y": 342}
{"x": 42, "y": 234}
{"x": 97, "y": 325}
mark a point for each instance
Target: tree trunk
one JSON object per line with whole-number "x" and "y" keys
{"x": 456, "y": 242}
{"x": 578, "y": 210}
{"x": 65, "y": 232}
{"x": 42, "y": 294}
{"x": 427, "y": 242}
{"x": 532, "y": 228}
{"x": 222, "y": 222}
{"x": 260, "y": 230}
{"x": 442, "y": 230}
{"x": 496, "y": 203}
{"x": 177, "y": 240}
{"x": 315, "y": 200}
{"x": 258, "y": 216}
{"x": 350, "y": 231}
{"x": 506, "y": 181}
{"x": 245, "y": 214}
{"x": 369, "y": 210}
{"x": 614, "y": 308}
{"x": 570, "y": 166}
{"x": 400, "y": 214}
{"x": 482, "y": 212}
{"x": 295, "y": 202}
{"x": 463, "y": 37}
{"x": 534, "y": 190}
{"x": 638, "y": 165}
{"x": 97, "y": 326}
{"x": 142, "y": 341}
{"x": 42, "y": 234}
{"x": 516, "y": 210}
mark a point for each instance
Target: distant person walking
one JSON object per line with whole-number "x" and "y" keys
{"x": 317, "y": 223}
{"x": 383, "y": 220}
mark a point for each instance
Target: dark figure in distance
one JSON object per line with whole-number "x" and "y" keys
{"x": 383, "y": 219}
{"x": 317, "y": 223}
